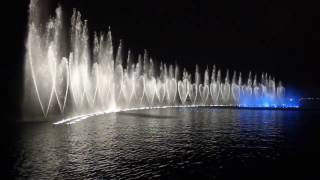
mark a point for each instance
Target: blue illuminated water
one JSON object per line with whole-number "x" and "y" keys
{"x": 265, "y": 102}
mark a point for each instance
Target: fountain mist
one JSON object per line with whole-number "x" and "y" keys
{"x": 80, "y": 79}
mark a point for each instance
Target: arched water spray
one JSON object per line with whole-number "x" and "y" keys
{"x": 100, "y": 78}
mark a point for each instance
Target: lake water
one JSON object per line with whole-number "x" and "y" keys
{"x": 175, "y": 143}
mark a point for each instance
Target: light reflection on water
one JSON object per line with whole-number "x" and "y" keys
{"x": 172, "y": 143}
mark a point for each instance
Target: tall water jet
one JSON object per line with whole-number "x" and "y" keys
{"x": 81, "y": 79}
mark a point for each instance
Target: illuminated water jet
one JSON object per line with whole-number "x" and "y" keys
{"x": 84, "y": 79}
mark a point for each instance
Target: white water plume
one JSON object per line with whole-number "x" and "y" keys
{"x": 91, "y": 79}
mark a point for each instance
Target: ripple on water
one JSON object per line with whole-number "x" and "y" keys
{"x": 129, "y": 146}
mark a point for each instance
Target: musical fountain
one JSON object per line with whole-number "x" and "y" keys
{"x": 79, "y": 80}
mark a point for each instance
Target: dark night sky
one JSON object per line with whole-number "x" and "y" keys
{"x": 279, "y": 37}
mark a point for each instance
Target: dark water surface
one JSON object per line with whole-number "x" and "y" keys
{"x": 171, "y": 144}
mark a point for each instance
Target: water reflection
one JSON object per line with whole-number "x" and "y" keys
{"x": 153, "y": 143}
